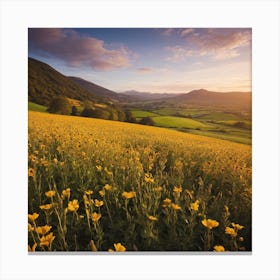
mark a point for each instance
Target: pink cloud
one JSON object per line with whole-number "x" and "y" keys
{"x": 145, "y": 70}
{"x": 77, "y": 50}
{"x": 217, "y": 43}
{"x": 186, "y": 31}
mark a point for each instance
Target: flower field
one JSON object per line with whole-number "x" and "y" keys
{"x": 97, "y": 185}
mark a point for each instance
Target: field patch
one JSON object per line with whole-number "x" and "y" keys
{"x": 36, "y": 107}
{"x": 177, "y": 122}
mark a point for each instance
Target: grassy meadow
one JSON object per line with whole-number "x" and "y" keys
{"x": 232, "y": 126}
{"x": 99, "y": 185}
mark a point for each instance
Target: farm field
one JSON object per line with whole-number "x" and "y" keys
{"x": 218, "y": 124}
{"x": 98, "y": 185}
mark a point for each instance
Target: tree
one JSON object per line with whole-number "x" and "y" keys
{"x": 59, "y": 105}
{"x": 129, "y": 117}
{"x": 74, "y": 111}
{"x": 147, "y": 121}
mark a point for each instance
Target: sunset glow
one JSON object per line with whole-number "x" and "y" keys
{"x": 160, "y": 60}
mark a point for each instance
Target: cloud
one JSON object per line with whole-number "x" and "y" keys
{"x": 186, "y": 31}
{"x": 145, "y": 69}
{"x": 219, "y": 43}
{"x": 167, "y": 31}
{"x": 77, "y": 50}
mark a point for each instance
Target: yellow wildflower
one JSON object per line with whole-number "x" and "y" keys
{"x": 43, "y": 230}
{"x": 95, "y": 217}
{"x": 55, "y": 160}
{"x": 231, "y": 231}
{"x": 158, "y": 189}
{"x": 33, "y": 247}
{"x": 98, "y": 203}
{"x": 166, "y": 202}
{"x": 129, "y": 195}
{"x": 194, "y": 206}
{"x": 175, "y": 206}
{"x": 30, "y": 227}
{"x": 31, "y": 172}
{"x": 210, "y": 223}
{"x": 47, "y": 240}
{"x": 66, "y": 193}
{"x": 99, "y": 167}
{"x": 50, "y": 193}
{"x": 102, "y": 193}
{"x": 89, "y": 192}
{"x": 152, "y": 218}
{"x": 237, "y": 226}
{"x": 33, "y": 217}
{"x": 118, "y": 248}
{"x": 73, "y": 205}
{"x": 149, "y": 178}
{"x": 107, "y": 187}
{"x": 177, "y": 189}
{"x": 219, "y": 248}
{"x": 46, "y": 206}
{"x": 241, "y": 238}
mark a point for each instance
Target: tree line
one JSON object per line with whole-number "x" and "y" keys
{"x": 60, "y": 105}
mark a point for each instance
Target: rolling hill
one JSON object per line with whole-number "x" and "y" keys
{"x": 97, "y": 90}
{"x": 45, "y": 83}
{"x": 209, "y": 99}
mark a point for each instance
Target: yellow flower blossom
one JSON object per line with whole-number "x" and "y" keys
{"x": 209, "y": 223}
{"x": 66, "y": 193}
{"x": 241, "y": 238}
{"x": 175, "y": 206}
{"x": 237, "y": 226}
{"x": 89, "y": 192}
{"x": 129, "y": 195}
{"x": 231, "y": 231}
{"x": 43, "y": 229}
{"x": 99, "y": 167}
{"x": 102, "y": 193}
{"x": 50, "y": 193}
{"x": 30, "y": 227}
{"x": 33, "y": 248}
{"x": 158, "y": 189}
{"x": 31, "y": 172}
{"x": 73, "y": 205}
{"x": 47, "y": 240}
{"x": 98, "y": 203}
{"x": 177, "y": 189}
{"x": 95, "y": 217}
{"x": 194, "y": 206}
{"x": 118, "y": 248}
{"x": 149, "y": 178}
{"x": 46, "y": 206}
{"x": 33, "y": 217}
{"x": 166, "y": 202}
{"x": 219, "y": 248}
{"x": 152, "y": 218}
{"x": 107, "y": 187}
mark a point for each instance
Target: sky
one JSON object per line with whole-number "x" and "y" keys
{"x": 158, "y": 60}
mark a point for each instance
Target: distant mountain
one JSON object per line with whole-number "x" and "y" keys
{"x": 97, "y": 90}
{"x": 147, "y": 95}
{"x": 209, "y": 99}
{"x": 45, "y": 83}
